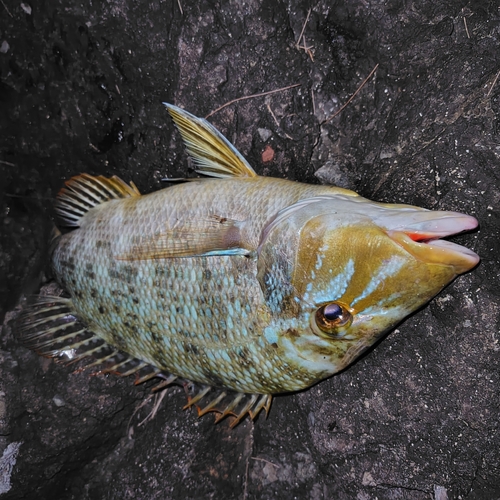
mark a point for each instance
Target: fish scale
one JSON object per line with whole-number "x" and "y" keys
{"x": 167, "y": 299}
{"x": 238, "y": 287}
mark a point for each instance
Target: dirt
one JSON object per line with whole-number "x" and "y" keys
{"x": 81, "y": 86}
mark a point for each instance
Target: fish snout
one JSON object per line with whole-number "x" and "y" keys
{"x": 420, "y": 234}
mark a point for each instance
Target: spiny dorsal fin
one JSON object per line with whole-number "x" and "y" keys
{"x": 226, "y": 403}
{"x": 212, "y": 153}
{"x": 83, "y": 192}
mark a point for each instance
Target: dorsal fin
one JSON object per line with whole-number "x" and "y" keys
{"x": 83, "y": 192}
{"x": 212, "y": 153}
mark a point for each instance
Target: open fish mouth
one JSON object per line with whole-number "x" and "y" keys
{"x": 422, "y": 238}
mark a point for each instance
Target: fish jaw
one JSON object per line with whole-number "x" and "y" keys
{"x": 437, "y": 251}
{"x": 422, "y": 239}
{"x": 417, "y": 229}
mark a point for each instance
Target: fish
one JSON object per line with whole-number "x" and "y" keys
{"x": 233, "y": 285}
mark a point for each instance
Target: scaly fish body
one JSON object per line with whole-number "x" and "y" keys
{"x": 254, "y": 284}
{"x": 202, "y": 318}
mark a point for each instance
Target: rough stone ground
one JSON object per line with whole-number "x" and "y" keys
{"x": 81, "y": 89}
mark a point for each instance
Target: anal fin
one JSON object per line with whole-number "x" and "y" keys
{"x": 49, "y": 326}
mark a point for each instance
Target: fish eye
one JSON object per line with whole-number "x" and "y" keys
{"x": 332, "y": 317}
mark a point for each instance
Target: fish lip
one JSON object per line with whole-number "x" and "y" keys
{"x": 430, "y": 225}
{"x": 424, "y": 241}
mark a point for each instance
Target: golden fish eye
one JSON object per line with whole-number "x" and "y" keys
{"x": 333, "y": 317}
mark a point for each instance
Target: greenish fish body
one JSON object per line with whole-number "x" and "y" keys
{"x": 252, "y": 284}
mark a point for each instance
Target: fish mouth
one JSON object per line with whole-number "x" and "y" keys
{"x": 422, "y": 239}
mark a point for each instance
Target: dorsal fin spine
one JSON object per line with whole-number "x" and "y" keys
{"x": 83, "y": 192}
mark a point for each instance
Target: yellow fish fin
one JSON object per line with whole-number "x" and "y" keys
{"x": 212, "y": 153}
{"x": 83, "y": 192}
{"x": 204, "y": 237}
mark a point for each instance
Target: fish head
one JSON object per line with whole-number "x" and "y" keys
{"x": 342, "y": 271}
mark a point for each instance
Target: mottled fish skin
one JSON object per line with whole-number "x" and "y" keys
{"x": 255, "y": 284}
{"x": 203, "y": 318}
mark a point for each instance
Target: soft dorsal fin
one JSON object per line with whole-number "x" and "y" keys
{"x": 83, "y": 192}
{"x": 212, "y": 153}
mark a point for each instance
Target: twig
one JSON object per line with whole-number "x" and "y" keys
{"x": 303, "y": 27}
{"x": 25, "y": 197}
{"x": 266, "y": 461}
{"x": 493, "y": 84}
{"x": 245, "y": 483}
{"x": 466, "y": 12}
{"x": 353, "y": 95}
{"x": 158, "y": 398}
{"x": 276, "y": 120}
{"x": 7, "y": 162}
{"x": 466, "y": 28}
{"x": 314, "y": 104}
{"x": 393, "y": 166}
{"x": 144, "y": 402}
{"x": 307, "y": 49}
{"x": 156, "y": 406}
{"x": 251, "y": 97}
{"x": 273, "y": 115}
{"x": 180, "y": 6}
{"x": 5, "y": 7}
{"x": 245, "y": 488}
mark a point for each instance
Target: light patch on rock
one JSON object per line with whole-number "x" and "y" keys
{"x": 7, "y": 463}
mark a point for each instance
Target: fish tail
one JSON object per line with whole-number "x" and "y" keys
{"x": 83, "y": 192}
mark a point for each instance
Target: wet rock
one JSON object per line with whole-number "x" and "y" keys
{"x": 81, "y": 90}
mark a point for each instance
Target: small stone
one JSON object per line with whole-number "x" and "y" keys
{"x": 368, "y": 480}
{"x": 7, "y": 463}
{"x": 264, "y": 133}
{"x": 27, "y": 8}
{"x": 268, "y": 154}
{"x": 58, "y": 401}
{"x": 440, "y": 493}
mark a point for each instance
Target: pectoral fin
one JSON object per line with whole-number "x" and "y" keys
{"x": 212, "y": 153}
{"x": 203, "y": 237}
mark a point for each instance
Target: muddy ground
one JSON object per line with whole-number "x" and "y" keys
{"x": 81, "y": 89}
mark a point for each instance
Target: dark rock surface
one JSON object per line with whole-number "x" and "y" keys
{"x": 81, "y": 90}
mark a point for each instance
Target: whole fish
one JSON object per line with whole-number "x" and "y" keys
{"x": 237, "y": 286}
